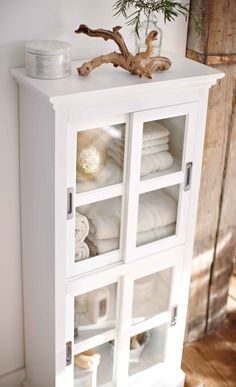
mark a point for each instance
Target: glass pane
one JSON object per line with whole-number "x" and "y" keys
{"x": 97, "y": 228}
{"x": 157, "y": 214}
{"x": 147, "y": 349}
{"x": 94, "y": 367}
{"x": 163, "y": 143}
{"x": 95, "y": 312}
{"x": 100, "y": 157}
{"x": 146, "y": 299}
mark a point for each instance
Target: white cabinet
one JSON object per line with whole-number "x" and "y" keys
{"x": 110, "y": 172}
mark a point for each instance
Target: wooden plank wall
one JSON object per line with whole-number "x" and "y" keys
{"x": 215, "y": 241}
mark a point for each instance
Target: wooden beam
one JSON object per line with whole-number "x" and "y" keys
{"x": 216, "y": 228}
{"x": 211, "y": 60}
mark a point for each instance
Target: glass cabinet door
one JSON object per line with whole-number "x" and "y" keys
{"x": 96, "y": 178}
{"x": 160, "y": 178}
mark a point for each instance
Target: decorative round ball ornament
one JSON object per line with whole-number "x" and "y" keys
{"x": 90, "y": 161}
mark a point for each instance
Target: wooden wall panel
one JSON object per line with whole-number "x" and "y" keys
{"x": 208, "y": 210}
{"x": 216, "y": 227}
{"x": 226, "y": 233}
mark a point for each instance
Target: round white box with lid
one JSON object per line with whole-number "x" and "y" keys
{"x": 48, "y": 59}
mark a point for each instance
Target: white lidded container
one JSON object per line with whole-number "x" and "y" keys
{"x": 48, "y": 59}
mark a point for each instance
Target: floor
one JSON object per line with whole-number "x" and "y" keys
{"x": 211, "y": 362}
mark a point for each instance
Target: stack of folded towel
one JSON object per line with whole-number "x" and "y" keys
{"x": 81, "y": 232}
{"x": 156, "y": 220}
{"x": 155, "y": 155}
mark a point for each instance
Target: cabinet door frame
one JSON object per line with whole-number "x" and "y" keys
{"x": 174, "y": 259}
{"x": 92, "y": 196}
{"x": 136, "y": 186}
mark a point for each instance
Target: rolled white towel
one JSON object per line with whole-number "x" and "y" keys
{"x": 81, "y": 227}
{"x": 81, "y": 251}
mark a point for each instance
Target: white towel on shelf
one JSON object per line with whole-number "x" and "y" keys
{"x": 156, "y": 209}
{"x": 156, "y": 162}
{"x": 105, "y": 245}
{"x": 152, "y": 130}
{"x": 102, "y": 246}
{"x": 145, "y": 144}
{"x": 118, "y": 151}
{"x": 92, "y": 248}
{"x": 81, "y": 251}
{"x": 151, "y": 163}
{"x": 104, "y": 217}
{"x": 155, "y": 234}
{"x": 81, "y": 227}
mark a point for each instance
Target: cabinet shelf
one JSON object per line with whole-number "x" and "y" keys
{"x": 156, "y": 321}
{"x": 161, "y": 181}
{"x": 98, "y": 194}
{"x": 94, "y": 341}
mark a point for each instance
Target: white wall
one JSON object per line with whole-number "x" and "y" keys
{"x": 21, "y": 21}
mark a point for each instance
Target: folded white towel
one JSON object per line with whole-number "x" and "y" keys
{"x": 102, "y": 246}
{"x": 151, "y": 163}
{"x": 81, "y": 227}
{"x": 118, "y": 151}
{"x": 145, "y": 144}
{"x": 81, "y": 251}
{"x": 155, "y": 234}
{"x": 156, "y": 162}
{"x": 105, "y": 245}
{"x": 104, "y": 217}
{"x": 156, "y": 209}
{"x": 152, "y": 130}
{"x": 112, "y": 173}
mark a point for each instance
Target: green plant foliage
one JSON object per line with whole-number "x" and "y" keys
{"x": 132, "y": 10}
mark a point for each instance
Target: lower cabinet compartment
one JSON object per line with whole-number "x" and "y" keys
{"x": 123, "y": 326}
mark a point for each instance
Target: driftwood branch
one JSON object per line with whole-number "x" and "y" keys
{"x": 142, "y": 64}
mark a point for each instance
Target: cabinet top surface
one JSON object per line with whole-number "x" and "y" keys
{"x": 183, "y": 72}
